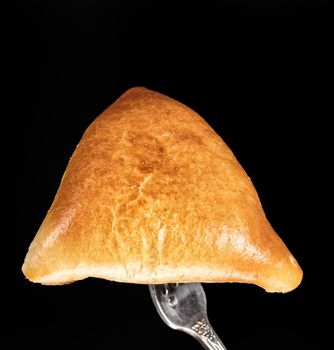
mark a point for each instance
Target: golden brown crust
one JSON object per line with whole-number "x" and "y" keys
{"x": 152, "y": 195}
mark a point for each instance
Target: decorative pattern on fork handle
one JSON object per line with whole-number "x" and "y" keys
{"x": 203, "y": 329}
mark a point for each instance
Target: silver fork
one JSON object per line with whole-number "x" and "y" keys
{"x": 182, "y": 306}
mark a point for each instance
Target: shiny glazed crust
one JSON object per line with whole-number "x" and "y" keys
{"x": 153, "y": 195}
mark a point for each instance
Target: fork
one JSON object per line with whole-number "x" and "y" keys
{"x": 182, "y": 306}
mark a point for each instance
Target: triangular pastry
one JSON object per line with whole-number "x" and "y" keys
{"x": 153, "y": 195}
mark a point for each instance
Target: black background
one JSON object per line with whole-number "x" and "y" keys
{"x": 258, "y": 71}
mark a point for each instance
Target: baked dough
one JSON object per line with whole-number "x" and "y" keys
{"x": 153, "y": 195}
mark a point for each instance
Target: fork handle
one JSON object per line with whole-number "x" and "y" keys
{"x": 205, "y": 334}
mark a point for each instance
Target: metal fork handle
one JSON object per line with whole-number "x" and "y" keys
{"x": 205, "y": 334}
{"x": 183, "y": 307}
